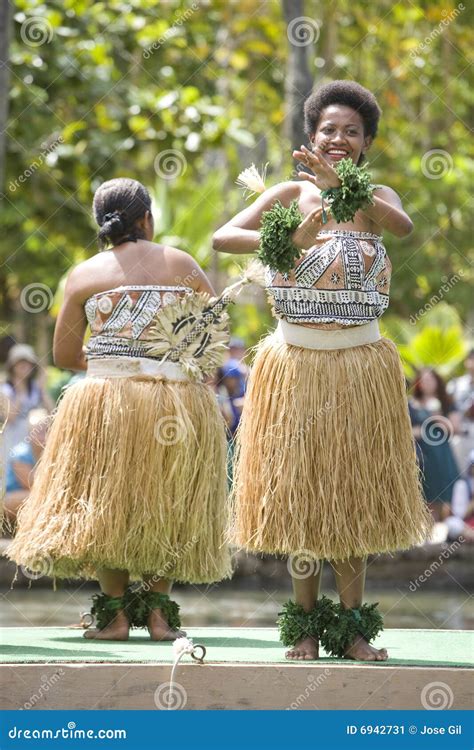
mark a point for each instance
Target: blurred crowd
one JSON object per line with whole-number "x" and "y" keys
{"x": 442, "y": 416}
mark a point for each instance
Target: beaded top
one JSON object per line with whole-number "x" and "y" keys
{"x": 120, "y": 319}
{"x": 344, "y": 280}
{"x": 173, "y": 324}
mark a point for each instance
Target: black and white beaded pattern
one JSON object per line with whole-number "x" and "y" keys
{"x": 109, "y": 343}
{"x": 316, "y": 263}
{"x": 359, "y": 302}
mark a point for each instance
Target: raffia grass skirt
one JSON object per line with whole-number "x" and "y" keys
{"x": 133, "y": 477}
{"x": 325, "y": 459}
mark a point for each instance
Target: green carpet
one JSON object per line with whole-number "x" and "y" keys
{"x": 451, "y": 648}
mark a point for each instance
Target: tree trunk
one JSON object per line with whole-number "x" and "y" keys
{"x": 4, "y": 82}
{"x": 302, "y": 34}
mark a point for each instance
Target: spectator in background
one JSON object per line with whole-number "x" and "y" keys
{"x": 462, "y": 389}
{"x": 237, "y": 353}
{"x": 461, "y": 520}
{"x": 25, "y": 391}
{"x": 434, "y": 420}
{"x": 230, "y": 390}
{"x": 22, "y": 461}
{"x": 231, "y": 379}
{"x": 462, "y": 392}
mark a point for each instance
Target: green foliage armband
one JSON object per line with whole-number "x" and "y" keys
{"x": 277, "y": 249}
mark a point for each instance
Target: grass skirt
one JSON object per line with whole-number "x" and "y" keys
{"x": 326, "y": 462}
{"x": 133, "y": 477}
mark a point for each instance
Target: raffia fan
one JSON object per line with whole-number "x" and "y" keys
{"x": 194, "y": 330}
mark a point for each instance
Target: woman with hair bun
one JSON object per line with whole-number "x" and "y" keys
{"x": 132, "y": 483}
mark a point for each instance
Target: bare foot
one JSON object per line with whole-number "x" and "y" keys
{"x": 117, "y": 630}
{"x": 160, "y": 630}
{"x": 307, "y": 649}
{"x": 362, "y": 651}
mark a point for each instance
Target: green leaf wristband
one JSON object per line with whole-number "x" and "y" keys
{"x": 355, "y": 192}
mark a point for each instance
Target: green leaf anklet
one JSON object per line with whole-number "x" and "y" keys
{"x": 140, "y": 603}
{"x": 295, "y": 623}
{"x": 345, "y": 624}
{"x": 105, "y": 608}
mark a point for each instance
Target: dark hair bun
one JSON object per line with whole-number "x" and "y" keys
{"x": 118, "y": 205}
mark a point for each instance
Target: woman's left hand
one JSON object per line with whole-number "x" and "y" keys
{"x": 324, "y": 175}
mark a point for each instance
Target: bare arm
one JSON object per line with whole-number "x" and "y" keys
{"x": 24, "y": 474}
{"x": 388, "y": 212}
{"x": 241, "y": 234}
{"x": 70, "y": 327}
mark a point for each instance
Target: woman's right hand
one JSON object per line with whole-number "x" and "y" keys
{"x": 305, "y": 236}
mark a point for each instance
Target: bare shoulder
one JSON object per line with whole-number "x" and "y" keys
{"x": 285, "y": 192}
{"x": 82, "y": 279}
{"x": 182, "y": 267}
{"x": 178, "y": 258}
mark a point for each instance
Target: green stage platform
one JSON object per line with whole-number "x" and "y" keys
{"x": 449, "y": 648}
{"x": 244, "y": 668}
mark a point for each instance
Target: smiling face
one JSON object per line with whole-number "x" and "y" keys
{"x": 340, "y": 134}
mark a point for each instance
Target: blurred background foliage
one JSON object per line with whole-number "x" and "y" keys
{"x": 112, "y": 85}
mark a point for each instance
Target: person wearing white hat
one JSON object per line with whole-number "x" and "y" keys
{"x": 22, "y": 392}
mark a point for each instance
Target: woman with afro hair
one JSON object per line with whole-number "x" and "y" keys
{"x": 326, "y": 465}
